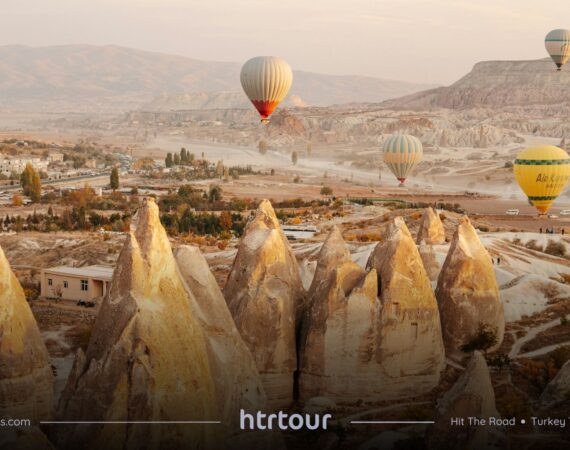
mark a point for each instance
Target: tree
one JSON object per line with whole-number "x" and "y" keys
{"x": 168, "y": 162}
{"x": 325, "y": 190}
{"x": 31, "y": 183}
{"x": 17, "y": 200}
{"x": 183, "y": 156}
{"x": 215, "y": 193}
{"x": 483, "y": 339}
{"x": 294, "y": 158}
{"x": 115, "y": 179}
{"x": 226, "y": 220}
{"x": 262, "y": 147}
{"x": 176, "y": 159}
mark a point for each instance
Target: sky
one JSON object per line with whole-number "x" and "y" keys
{"x": 425, "y": 41}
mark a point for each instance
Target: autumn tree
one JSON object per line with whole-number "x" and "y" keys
{"x": 17, "y": 200}
{"x": 226, "y": 221}
{"x": 31, "y": 183}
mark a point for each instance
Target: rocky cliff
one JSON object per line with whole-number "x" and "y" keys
{"x": 431, "y": 228}
{"x": 147, "y": 357}
{"x": 497, "y": 84}
{"x": 410, "y": 348}
{"x": 265, "y": 295}
{"x": 467, "y": 291}
{"x": 26, "y": 381}
{"x": 235, "y": 375}
{"x": 337, "y": 340}
{"x": 472, "y": 395}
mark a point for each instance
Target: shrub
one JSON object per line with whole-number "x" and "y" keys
{"x": 533, "y": 245}
{"x": 483, "y": 339}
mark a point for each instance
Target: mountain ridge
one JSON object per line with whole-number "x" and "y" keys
{"x": 119, "y": 78}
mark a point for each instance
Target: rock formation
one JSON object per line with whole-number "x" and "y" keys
{"x": 467, "y": 291}
{"x": 558, "y": 390}
{"x": 472, "y": 395}
{"x": 410, "y": 348}
{"x": 429, "y": 260}
{"x": 235, "y": 375}
{"x": 28, "y": 438}
{"x": 265, "y": 295}
{"x": 431, "y": 228}
{"x": 147, "y": 356}
{"x": 26, "y": 380}
{"x": 338, "y": 332}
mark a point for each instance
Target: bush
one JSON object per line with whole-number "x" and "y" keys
{"x": 498, "y": 360}
{"x": 483, "y": 339}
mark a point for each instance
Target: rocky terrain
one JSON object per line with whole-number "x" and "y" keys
{"x": 95, "y": 79}
{"x": 355, "y": 329}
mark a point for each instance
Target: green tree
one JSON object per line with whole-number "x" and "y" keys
{"x": 176, "y": 159}
{"x": 215, "y": 193}
{"x": 183, "y": 156}
{"x": 294, "y": 158}
{"x": 115, "y": 179}
{"x": 168, "y": 162}
{"x": 31, "y": 183}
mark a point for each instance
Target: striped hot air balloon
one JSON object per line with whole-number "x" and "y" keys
{"x": 266, "y": 80}
{"x": 557, "y": 44}
{"x": 402, "y": 153}
{"x": 542, "y": 172}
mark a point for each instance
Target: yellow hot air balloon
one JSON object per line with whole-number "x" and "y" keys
{"x": 402, "y": 153}
{"x": 266, "y": 80}
{"x": 542, "y": 172}
{"x": 557, "y": 44}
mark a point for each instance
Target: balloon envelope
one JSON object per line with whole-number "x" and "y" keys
{"x": 557, "y": 44}
{"x": 266, "y": 80}
{"x": 402, "y": 153}
{"x": 542, "y": 172}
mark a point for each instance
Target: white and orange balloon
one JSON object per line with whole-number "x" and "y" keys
{"x": 266, "y": 80}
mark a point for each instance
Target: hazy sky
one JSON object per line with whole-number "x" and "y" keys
{"x": 434, "y": 41}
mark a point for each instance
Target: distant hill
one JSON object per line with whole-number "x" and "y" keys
{"x": 496, "y": 84}
{"x": 111, "y": 78}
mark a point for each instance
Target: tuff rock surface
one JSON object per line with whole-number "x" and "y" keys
{"x": 467, "y": 291}
{"x": 26, "y": 379}
{"x": 265, "y": 296}
{"x": 147, "y": 358}
{"x": 431, "y": 228}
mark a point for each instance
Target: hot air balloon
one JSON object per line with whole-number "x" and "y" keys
{"x": 266, "y": 80}
{"x": 402, "y": 153}
{"x": 557, "y": 44}
{"x": 542, "y": 172}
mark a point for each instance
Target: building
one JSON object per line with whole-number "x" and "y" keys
{"x": 55, "y": 157}
{"x": 17, "y": 165}
{"x": 76, "y": 283}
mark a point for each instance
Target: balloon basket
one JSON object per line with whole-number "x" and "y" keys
{"x": 264, "y": 121}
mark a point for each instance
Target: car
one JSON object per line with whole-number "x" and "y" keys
{"x": 512, "y": 212}
{"x": 565, "y": 212}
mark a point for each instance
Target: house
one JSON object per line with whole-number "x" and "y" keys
{"x": 76, "y": 283}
